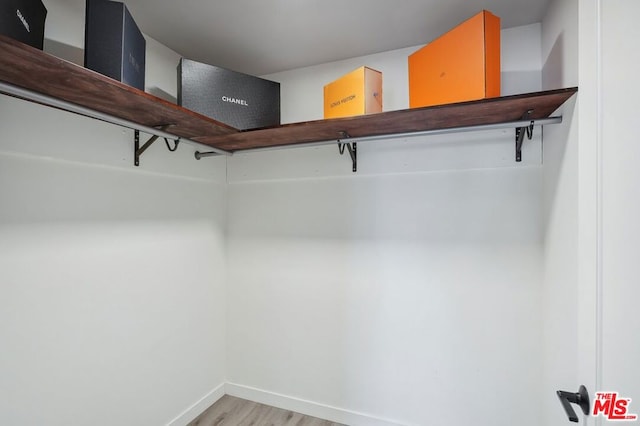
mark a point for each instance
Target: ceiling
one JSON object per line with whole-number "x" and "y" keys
{"x": 265, "y": 36}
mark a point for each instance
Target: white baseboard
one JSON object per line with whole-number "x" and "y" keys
{"x": 199, "y": 407}
{"x": 308, "y": 408}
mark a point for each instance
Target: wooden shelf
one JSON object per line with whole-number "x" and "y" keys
{"x": 38, "y": 73}
{"x": 29, "y": 68}
{"x": 466, "y": 114}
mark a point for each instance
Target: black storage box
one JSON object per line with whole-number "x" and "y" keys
{"x": 239, "y": 100}
{"x": 23, "y": 20}
{"x": 113, "y": 44}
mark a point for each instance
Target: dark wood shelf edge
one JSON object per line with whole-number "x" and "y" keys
{"x": 35, "y": 71}
{"x": 464, "y": 114}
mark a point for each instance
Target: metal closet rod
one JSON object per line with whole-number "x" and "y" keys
{"x": 68, "y": 106}
{"x": 497, "y": 126}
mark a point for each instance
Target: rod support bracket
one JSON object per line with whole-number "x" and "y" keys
{"x": 198, "y": 155}
{"x": 521, "y": 131}
{"x": 138, "y": 150}
{"x": 352, "y": 148}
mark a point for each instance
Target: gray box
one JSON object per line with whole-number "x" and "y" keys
{"x": 23, "y": 20}
{"x": 113, "y": 43}
{"x": 239, "y": 100}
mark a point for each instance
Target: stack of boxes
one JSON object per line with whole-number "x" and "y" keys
{"x": 461, "y": 65}
{"x": 115, "y": 47}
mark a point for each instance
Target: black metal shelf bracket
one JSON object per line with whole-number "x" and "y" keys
{"x": 138, "y": 150}
{"x": 352, "y": 147}
{"x": 520, "y": 132}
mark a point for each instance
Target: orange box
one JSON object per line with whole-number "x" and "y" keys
{"x": 461, "y": 65}
{"x": 356, "y": 93}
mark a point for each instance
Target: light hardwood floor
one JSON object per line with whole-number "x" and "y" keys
{"x": 232, "y": 411}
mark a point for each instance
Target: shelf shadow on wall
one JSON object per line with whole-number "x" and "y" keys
{"x": 64, "y": 51}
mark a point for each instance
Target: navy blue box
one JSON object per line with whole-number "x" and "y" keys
{"x": 113, "y": 43}
{"x": 239, "y": 100}
{"x": 23, "y": 20}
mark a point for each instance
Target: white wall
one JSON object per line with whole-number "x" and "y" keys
{"x": 409, "y": 293}
{"x": 560, "y": 201}
{"x": 620, "y": 200}
{"x": 413, "y": 297}
{"x": 112, "y": 300}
